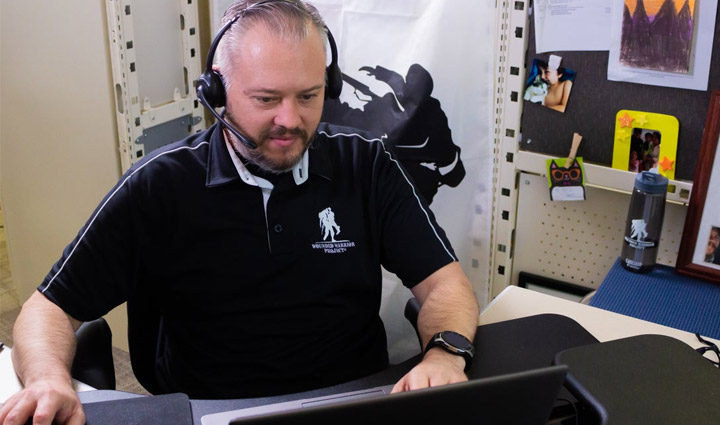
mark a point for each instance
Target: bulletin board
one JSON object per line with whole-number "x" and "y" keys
{"x": 595, "y": 101}
{"x": 555, "y": 240}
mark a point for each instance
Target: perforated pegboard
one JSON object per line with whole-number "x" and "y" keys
{"x": 577, "y": 242}
{"x": 523, "y": 229}
{"x": 154, "y": 51}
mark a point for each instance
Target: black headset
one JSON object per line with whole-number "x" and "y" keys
{"x": 211, "y": 90}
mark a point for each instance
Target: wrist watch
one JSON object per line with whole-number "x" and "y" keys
{"x": 453, "y": 343}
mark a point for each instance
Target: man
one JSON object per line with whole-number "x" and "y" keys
{"x": 636, "y": 143}
{"x": 254, "y": 301}
{"x": 712, "y": 251}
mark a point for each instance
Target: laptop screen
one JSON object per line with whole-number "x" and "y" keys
{"x": 520, "y": 398}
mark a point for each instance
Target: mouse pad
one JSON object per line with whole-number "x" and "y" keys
{"x": 524, "y": 344}
{"x": 169, "y": 409}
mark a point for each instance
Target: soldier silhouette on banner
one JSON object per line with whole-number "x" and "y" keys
{"x": 410, "y": 120}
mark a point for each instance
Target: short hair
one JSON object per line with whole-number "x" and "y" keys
{"x": 291, "y": 19}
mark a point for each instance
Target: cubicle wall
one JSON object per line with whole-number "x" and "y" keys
{"x": 575, "y": 242}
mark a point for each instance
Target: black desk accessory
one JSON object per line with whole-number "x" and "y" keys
{"x": 524, "y": 344}
{"x": 645, "y": 379}
{"x": 169, "y": 409}
{"x": 109, "y": 407}
{"x": 529, "y": 343}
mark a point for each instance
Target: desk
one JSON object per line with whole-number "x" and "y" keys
{"x": 512, "y": 303}
{"x": 9, "y": 382}
{"x": 662, "y": 296}
{"x": 604, "y": 325}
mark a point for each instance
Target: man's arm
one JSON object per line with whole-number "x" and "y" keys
{"x": 448, "y": 304}
{"x": 44, "y": 346}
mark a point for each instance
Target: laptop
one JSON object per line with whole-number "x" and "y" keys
{"x": 525, "y": 397}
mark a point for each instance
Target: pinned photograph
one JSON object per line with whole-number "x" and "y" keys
{"x": 644, "y": 149}
{"x": 712, "y": 250}
{"x": 549, "y": 84}
{"x": 645, "y": 141}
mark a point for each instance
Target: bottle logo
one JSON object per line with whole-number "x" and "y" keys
{"x": 638, "y": 234}
{"x": 638, "y": 229}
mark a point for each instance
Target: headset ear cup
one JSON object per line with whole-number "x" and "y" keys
{"x": 213, "y": 88}
{"x": 334, "y": 81}
{"x": 333, "y": 75}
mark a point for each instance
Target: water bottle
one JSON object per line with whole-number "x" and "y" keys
{"x": 644, "y": 222}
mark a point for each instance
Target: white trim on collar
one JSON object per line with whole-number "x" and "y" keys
{"x": 300, "y": 171}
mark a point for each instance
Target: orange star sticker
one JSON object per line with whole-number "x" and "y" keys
{"x": 666, "y": 164}
{"x": 626, "y": 120}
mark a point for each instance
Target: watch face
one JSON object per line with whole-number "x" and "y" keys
{"x": 456, "y": 340}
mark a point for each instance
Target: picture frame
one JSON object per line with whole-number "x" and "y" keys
{"x": 701, "y": 233}
{"x": 664, "y": 127}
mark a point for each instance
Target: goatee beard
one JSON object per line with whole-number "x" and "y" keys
{"x": 256, "y": 157}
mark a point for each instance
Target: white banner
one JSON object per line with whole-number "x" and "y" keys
{"x": 420, "y": 72}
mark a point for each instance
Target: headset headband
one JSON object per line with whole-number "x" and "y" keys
{"x": 211, "y": 90}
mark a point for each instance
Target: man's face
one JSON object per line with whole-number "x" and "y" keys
{"x": 711, "y": 247}
{"x": 715, "y": 237}
{"x": 276, "y": 95}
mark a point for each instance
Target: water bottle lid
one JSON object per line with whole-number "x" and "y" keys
{"x": 651, "y": 182}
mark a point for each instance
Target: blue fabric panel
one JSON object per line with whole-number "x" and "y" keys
{"x": 662, "y": 296}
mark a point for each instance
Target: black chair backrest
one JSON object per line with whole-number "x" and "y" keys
{"x": 93, "y": 363}
{"x": 412, "y": 311}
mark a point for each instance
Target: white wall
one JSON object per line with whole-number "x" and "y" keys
{"x": 57, "y": 131}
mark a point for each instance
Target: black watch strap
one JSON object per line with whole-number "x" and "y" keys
{"x": 453, "y": 343}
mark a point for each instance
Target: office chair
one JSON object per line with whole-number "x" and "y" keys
{"x": 93, "y": 362}
{"x": 412, "y": 310}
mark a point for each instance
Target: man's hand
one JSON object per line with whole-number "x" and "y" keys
{"x": 437, "y": 368}
{"x": 53, "y": 398}
{"x": 448, "y": 303}
{"x": 44, "y": 346}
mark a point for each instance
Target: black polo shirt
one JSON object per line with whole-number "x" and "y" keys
{"x": 255, "y": 302}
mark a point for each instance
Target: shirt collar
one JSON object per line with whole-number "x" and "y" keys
{"x": 320, "y": 162}
{"x": 220, "y": 169}
{"x": 224, "y": 166}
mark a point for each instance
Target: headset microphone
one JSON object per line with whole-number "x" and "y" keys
{"x": 245, "y": 141}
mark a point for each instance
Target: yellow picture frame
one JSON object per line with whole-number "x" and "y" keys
{"x": 626, "y": 121}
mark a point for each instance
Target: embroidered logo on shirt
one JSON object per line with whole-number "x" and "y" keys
{"x": 329, "y": 229}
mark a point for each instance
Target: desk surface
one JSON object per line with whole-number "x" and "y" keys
{"x": 662, "y": 296}
{"x": 512, "y": 303}
{"x": 515, "y": 302}
{"x": 10, "y": 383}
